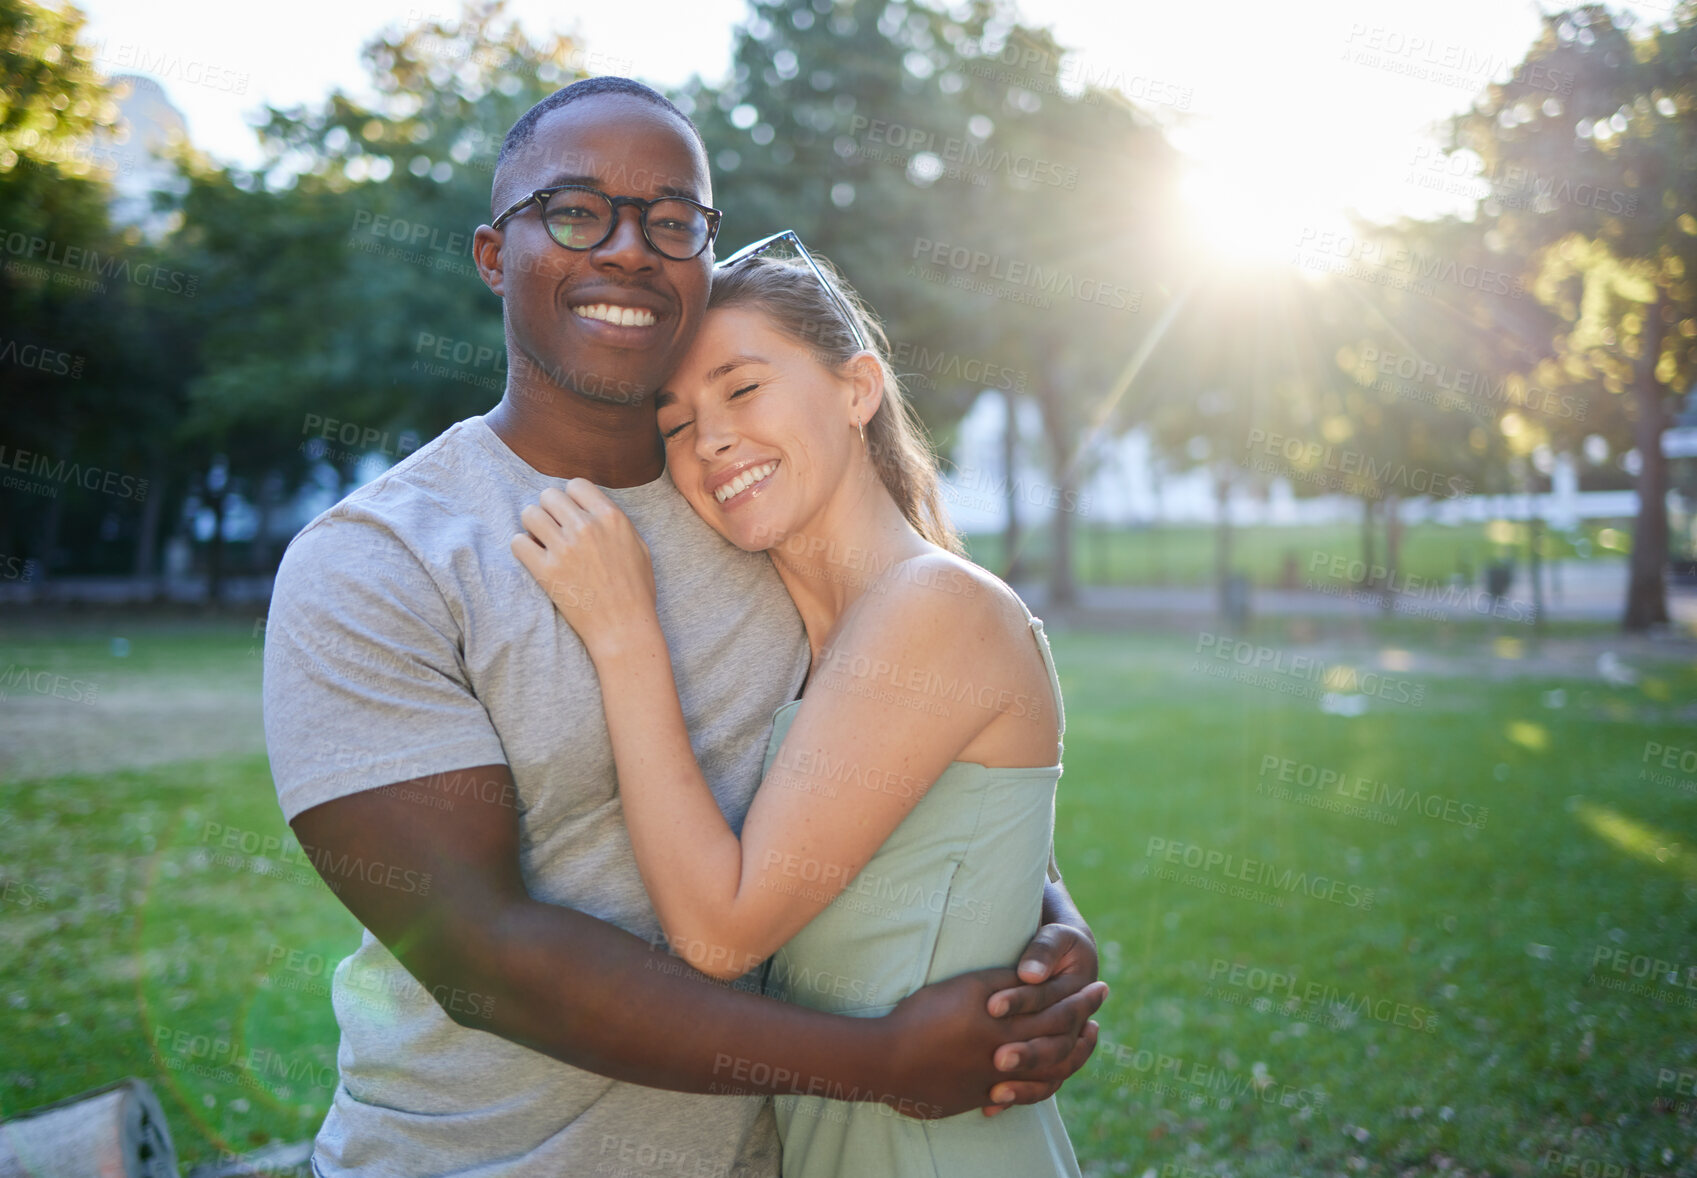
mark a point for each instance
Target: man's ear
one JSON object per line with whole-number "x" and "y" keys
{"x": 486, "y": 253}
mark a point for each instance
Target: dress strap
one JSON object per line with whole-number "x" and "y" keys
{"x": 1042, "y": 636}
{"x": 1054, "y": 679}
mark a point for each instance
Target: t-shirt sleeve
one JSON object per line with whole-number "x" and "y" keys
{"x": 1054, "y": 869}
{"x": 365, "y": 684}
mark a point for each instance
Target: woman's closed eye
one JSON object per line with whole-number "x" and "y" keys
{"x": 669, "y": 434}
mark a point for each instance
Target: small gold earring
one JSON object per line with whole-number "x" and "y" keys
{"x": 862, "y": 430}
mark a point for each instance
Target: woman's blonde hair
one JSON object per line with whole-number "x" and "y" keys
{"x": 791, "y": 296}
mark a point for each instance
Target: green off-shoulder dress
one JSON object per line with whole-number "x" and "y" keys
{"x": 957, "y": 887}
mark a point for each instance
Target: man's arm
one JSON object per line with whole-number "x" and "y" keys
{"x": 596, "y": 997}
{"x": 1064, "y": 945}
{"x": 1059, "y": 960}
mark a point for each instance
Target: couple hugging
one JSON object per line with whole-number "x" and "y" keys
{"x": 696, "y": 796}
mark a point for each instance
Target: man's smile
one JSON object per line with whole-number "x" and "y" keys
{"x": 614, "y": 313}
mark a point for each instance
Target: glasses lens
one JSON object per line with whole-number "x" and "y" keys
{"x": 676, "y": 228}
{"x": 577, "y": 218}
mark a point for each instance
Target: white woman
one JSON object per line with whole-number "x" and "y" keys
{"x": 902, "y": 829}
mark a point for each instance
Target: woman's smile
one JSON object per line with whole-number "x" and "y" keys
{"x": 738, "y": 484}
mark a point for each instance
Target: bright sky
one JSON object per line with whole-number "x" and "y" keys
{"x": 1296, "y": 112}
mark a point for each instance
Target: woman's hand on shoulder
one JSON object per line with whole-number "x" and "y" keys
{"x": 589, "y": 559}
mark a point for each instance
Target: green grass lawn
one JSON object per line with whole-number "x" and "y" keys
{"x": 1185, "y": 555}
{"x": 1439, "y": 1003}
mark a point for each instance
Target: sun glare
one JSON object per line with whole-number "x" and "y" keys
{"x": 1249, "y": 204}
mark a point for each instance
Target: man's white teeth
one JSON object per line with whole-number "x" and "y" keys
{"x": 745, "y": 480}
{"x": 623, "y": 316}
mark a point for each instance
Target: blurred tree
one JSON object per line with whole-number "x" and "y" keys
{"x": 1091, "y": 228}
{"x": 1420, "y": 352}
{"x": 1224, "y": 385}
{"x": 1007, "y": 232}
{"x": 817, "y": 129}
{"x": 342, "y": 317}
{"x": 54, "y": 195}
{"x": 1588, "y": 153}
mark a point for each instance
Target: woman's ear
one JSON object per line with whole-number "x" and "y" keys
{"x": 866, "y": 379}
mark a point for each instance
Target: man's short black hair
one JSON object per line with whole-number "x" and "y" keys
{"x": 524, "y": 130}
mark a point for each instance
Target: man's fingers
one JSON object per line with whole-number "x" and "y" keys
{"x": 1019, "y": 1092}
{"x": 1049, "y": 1062}
{"x": 1051, "y": 1055}
{"x": 1065, "y": 1018}
{"x": 1058, "y": 953}
{"x": 1044, "y": 953}
{"x": 1087, "y": 1001}
{"x": 1084, "y": 1048}
{"x": 1036, "y": 1057}
{"x": 1031, "y": 999}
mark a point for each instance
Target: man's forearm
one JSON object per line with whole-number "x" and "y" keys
{"x": 583, "y": 991}
{"x": 1058, "y": 908}
{"x": 596, "y": 997}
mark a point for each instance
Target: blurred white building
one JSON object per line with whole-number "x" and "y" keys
{"x": 138, "y": 152}
{"x": 1124, "y": 486}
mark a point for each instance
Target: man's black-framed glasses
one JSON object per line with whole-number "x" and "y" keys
{"x": 755, "y": 248}
{"x": 581, "y": 218}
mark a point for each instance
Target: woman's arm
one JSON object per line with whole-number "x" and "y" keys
{"x": 865, "y": 745}
{"x": 914, "y": 676}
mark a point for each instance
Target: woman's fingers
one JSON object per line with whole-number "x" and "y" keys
{"x": 527, "y": 550}
{"x": 541, "y": 523}
{"x": 586, "y": 496}
{"x": 579, "y": 500}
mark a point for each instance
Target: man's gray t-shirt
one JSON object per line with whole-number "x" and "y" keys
{"x": 404, "y": 639}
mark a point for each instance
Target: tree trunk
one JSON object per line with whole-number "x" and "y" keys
{"x": 147, "y": 536}
{"x": 215, "y": 553}
{"x": 270, "y": 496}
{"x": 1367, "y": 577}
{"x": 1536, "y": 563}
{"x": 1393, "y": 549}
{"x": 8, "y": 528}
{"x": 1012, "y": 564}
{"x": 52, "y": 516}
{"x": 1063, "y": 587}
{"x": 1646, "y": 591}
{"x": 1157, "y": 532}
{"x": 51, "y": 519}
{"x": 1223, "y": 544}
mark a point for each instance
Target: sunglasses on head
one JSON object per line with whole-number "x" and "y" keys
{"x": 756, "y": 248}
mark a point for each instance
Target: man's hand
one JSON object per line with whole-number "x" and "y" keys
{"x": 934, "y": 1029}
{"x": 1058, "y": 967}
